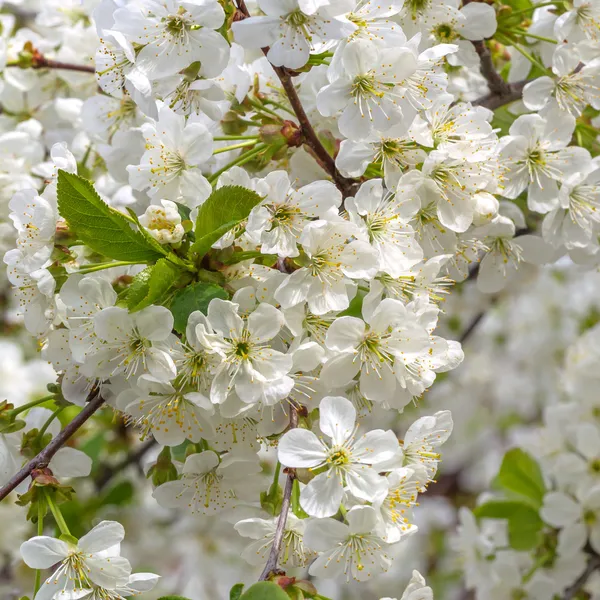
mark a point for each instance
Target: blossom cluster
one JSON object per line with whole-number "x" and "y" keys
{"x": 237, "y": 224}
{"x": 561, "y": 456}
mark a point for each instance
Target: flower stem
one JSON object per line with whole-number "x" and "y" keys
{"x": 86, "y": 155}
{"x": 240, "y": 160}
{"x": 262, "y": 108}
{"x": 534, "y": 61}
{"x": 244, "y": 144}
{"x": 276, "y": 474}
{"x": 40, "y": 531}
{"x": 279, "y": 106}
{"x": 60, "y": 520}
{"x": 51, "y": 418}
{"x": 534, "y": 36}
{"x": 533, "y": 7}
{"x": 101, "y": 266}
{"x": 226, "y": 138}
{"x": 20, "y": 409}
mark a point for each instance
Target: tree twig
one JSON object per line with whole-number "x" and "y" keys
{"x": 133, "y": 458}
{"x": 495, "y": 100}
{"x": 45, "y": 456}
{"x": 593, "y": 565}
{"x": 311, "y": 139}
{"x": 495, "y": 82}
{"x": 346, "y": 186}
{"x": 55, "y": 64}
{"x": 285, "y": 507}
{"x": 501, "y": 92}
{"x": 39, "y": 61}
{"x": 466, "y": 334}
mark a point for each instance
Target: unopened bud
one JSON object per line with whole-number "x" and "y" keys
{"x": 163, "y": 470}
{"x": 272, "y": 135}
{"x": 44, "y": 477}
{"x": 504, "y": 11}
{"x": 486, "y": 208}
{"x": 293, "y": 134}
{"x": 283, "y": 581}
{"x": 233, "y": 124}
{"x": 306, "y": 586}
{"x": 122, "y": 283}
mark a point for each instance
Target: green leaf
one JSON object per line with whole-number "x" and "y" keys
{"x": 120, "y": 494}
{"x": 173, "y": 598}
{"x": 355, "y": 307}
{"x": 296, "y": 508}
{"x": 271, "y": 502}
{"x": 192, "y": 298}
{"x": 236, "y": 591}
{"x": 520, "y": 476}
{"x": 184, "y": 211}
{"x": 264, "y": 590}
{"x": 100, "y": 227}
{"x": 502, "y": 120}
{"x": 524, "y": 522}
{"x": 225, "y": 208}
{"x": 238, "y": 257}
{"x": 138, "y": 289}
{"x": 154, "y": 287}
{"x": 499, "y": 509}
{"x": 518, "y": 4}
{"x": 523, "y": 530}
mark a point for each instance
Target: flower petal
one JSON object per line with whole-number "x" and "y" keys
{"x": 337, "y": 418}
{"x": 300, "y": 448}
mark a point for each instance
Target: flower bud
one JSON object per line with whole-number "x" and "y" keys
{"x": 485, "y": 209}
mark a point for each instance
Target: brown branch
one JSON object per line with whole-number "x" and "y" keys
{"x": 495, "y": 100}
{"x": 495, "y": 82}
{"x": 45, "y": 456}
{"x": 501, "y": 92}
{"x": 273, "y": 559}
{"x": 55, "y": 64}
{"x": 346, "y": 186}
{"x": 466, "y": 334}
{"x": 39, "y": 61}
{"x": 133, "y": 458}
{"x": 592, "y": 565}
{"x": 311, "y": 139}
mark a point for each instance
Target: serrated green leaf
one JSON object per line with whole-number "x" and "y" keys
{"x": 154, "y": 286}
{"x": 520, "y": 476}
{"x": 100, "y": 227}
{"x": 264, "y": 590}
{"x": 236, "y": 591}
{"x": 192, "y": 298}
{"x": 139, "y": 287}
{"x": 223, "y": 210}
